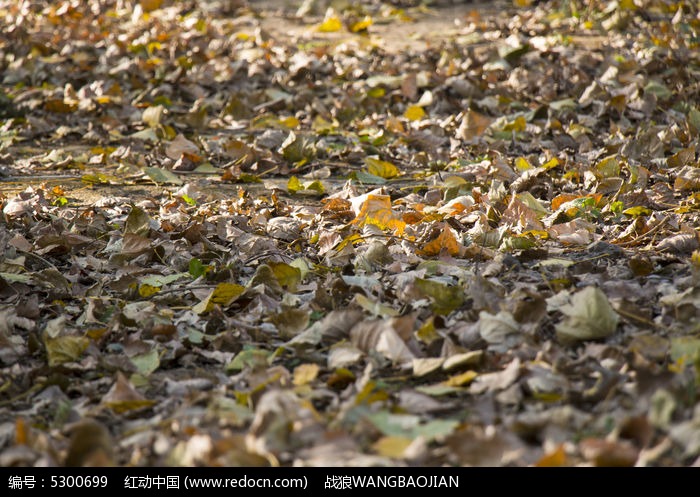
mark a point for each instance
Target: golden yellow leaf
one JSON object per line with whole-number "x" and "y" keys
{"x": 330, "y": 25}
{"x": 461, "y": 379}
{"x": 150, "y": 5}
{"x": 289, "y": 122}
{"x": 414, "y": 113}
{"x": 146, "y": 290}
{"x": 522, "y": 164}
{"x": 551, "y": 163}
{"x": 381, "y": 168}
{"x": 361, "y": 25}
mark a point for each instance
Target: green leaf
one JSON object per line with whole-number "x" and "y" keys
{"x": 410, "y": 426}
{"x": 197, "y": 269}
{"x": 445, "y": 298}
{"x": 367, "y": 178}
{"x": 659, "y": 89}
{"x": 250, "y": 358}
{"x": 162, "y": 176}
{"x": 146, "y": 363}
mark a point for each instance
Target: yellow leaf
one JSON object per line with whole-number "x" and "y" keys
{"x": 627, "y": 5}
{"x": 551, "y": 164}
{"x": 391, "y": 446}
{"x": 381, "y": 168}
{"x": 376, "y": 92}
{"x": 150, "y": 5}
{"x": 287, "y": 276}
{"x": 518, "y": 125}
{"x": 427, "y": 333}
{"x": 305, "y": 374}
{"x": 224, "y": 294}
{"x": 146, "y": 290}
{"x": 445, "y": 242}
{"x": 414, "y": 113}
{"x": 522, "y": 164}
{"x": 637, "y": 211}
{"x": 361, "y": 25}
{"x": 461, "y": 379}
{"x": 330, "y": 25}
{"x": 608, "y": 167}
{"x": 294, "y": 185}
{"x": 63, "y": 349}
{"x": 289, "y": 122}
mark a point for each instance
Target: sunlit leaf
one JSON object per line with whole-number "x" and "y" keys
{"x": 330, "y": 25}
{"x": 522, "y": 164}
{"x": 153, "y": 116}
{"x": 294, "y": 185}
{"x": 361, "y": 25}
{"x": 637, "y": 211}
{"x": 414, "y": 113}
{"x": 446, "y": 242}
{"x": 381, "y": 168}
{"x": 374, "y": 307}
{"x": 224, "y": 294}
{"x": 461, "y": 379}
{"x": 608, "y": 167}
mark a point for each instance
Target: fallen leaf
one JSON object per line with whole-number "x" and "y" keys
{"x": 589, "y": 316}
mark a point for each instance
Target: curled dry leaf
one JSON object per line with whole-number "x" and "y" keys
{"x": 382, "y": 336}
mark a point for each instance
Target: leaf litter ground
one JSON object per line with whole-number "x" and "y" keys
{"x": 334, "y": 234}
